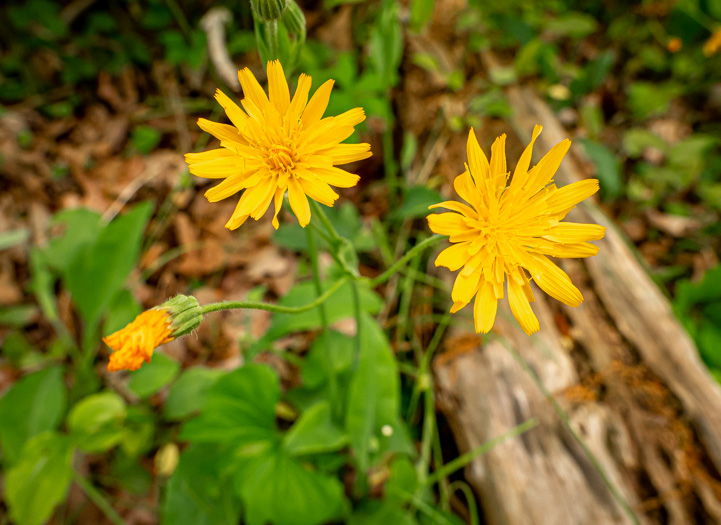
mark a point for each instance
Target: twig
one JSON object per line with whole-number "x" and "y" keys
{"x": 213, "y": 23}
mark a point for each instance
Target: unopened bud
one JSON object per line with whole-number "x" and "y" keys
{"x": 269, "y": 10}
{"x": 184, "y": 314}
{"x": 294, "y": 20}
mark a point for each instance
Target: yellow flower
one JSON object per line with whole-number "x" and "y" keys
{"x": 713, "y": 44}
{"x": 134, "y": 344}
{"x": 509, "y": 230}
{"x": 279, "y": 144}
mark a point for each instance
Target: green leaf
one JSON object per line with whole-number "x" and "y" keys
{"x": 574, "y": 25}
{"x": 607, "y": 168}
{"x": 385, "y": 46}
{"x": 198, "y": 491}
{"x": 95, "y": 422}
{"x": 648, "y": 99}
{"x": 33, "y": 405}
{"x": 636, "y": 140}
{"x": 330, "y": 349}
{"x": 81, "y": 227}
{"x": 338, "y": 306}
{"x": 188, "y": 393}
{"x": 18, "y": 316}
{"x": 314, "y": 433}
{"x": 124, "y": 308}
{"x": 277, "y": 489}
{"x": 421, "y": 13}
{"x": 374, "y": 391}
{"x": 239, "y": 408}
{"x": 416, "y": 202}
{"x": 100, "y": 269}
{"x": 153, "y": 376}
{"x": 40, "y": 479}
{"x": 138, "y": 431}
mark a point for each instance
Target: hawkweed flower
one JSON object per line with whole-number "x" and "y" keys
{"x": 134, "y": 345}
{"x": 278, "y": 144}
{"x": 505, "y": 233}
{"x": 713, "y": 44}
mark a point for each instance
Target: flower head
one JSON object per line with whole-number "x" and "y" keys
{"x": 509, "y": 229}
{"x": 278, "y": 144}
{"x": 134, "y": 345}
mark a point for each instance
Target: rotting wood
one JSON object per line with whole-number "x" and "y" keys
{"x": 626, "y": 372}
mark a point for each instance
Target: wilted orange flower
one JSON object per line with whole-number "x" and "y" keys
{"x": 509, "y": 230}
{"x": 134, "y": 345}
{"x": 279, "y": 144}
{"x": 713, "y": 44}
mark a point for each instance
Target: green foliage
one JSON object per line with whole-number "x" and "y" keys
{"x": 154, "y": 375}
{"x": 40, "y": 479}
{"x": 187, "y": 395}
{"x": 607, "y": 168}
{"x": 33, "y": 405}
{"x": 95, "y": 422}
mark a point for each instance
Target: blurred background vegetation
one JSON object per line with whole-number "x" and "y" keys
{"x": 97, "y": 102}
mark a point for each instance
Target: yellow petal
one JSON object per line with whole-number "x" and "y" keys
{"x": 263, "y": 200}
{"x": 554, "y": 281}
{"x": 278, "y": 87}
{"x": 298, "y": 202}
{"x": 520, "y": 174}
{"x": 568, "y": 196}
{"x": 447, "y": 223}
{"x": 498, "y": 162}
{"x": 456, "y": 206}
{"x": 484, "y": 308}
{"x": 337, "y": 177}
{"x": 235, "y": 114}
{"x": 252, "y": 89}
{"x": 220, "y": 131}
{"x": 543, "y": 172}
{"x": 454, "y": 256}
{"x": 570, "y": 232}
{"x": 278, "y": 203}
{"x": 575, "y": 250}
{"x": 467, "y": 190}
{"x": 319, "y": 191}
{"x": 480, "y": 169}
{"x": 521, "y": 308}
{"x": 317, "y": 104}
{"x": 464, "y": 287}
{"x": 300, "y": 98}
{"x": 352, "y": 117}
{"x": 345, "y": 153}
{"x": 237, "y": 219}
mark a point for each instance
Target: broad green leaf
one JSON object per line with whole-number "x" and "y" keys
{"x": 100, "y": 269}
{"x": 198, "y": 492}
{"x": 330, "y": 349}
{"x": 415, "y": 203}
{"x": 33, "y": 405}
{"x": 636, "y": 140}
{"x": 39, "y": 480}
{"x": 607, "y": 168}
{"x": 338, "y": 306}
{"x": 138, "y": 431}
{"x": 81, "y": 227}
{"x": 648, "y": 99}
{"x": 121, "y": 311}
{"x": 421, "y": 13}
{"x": 403, "y": 479}
{"x": 239, "y": 408}
{"x": 188, "y": 393}
{"x": 153, "y": 376}
{"x": 385, "y": 44}
{"x": 42, "y": 284}
{"x": 95, "y": 422}
{"x": 373, "y": 396}
{"x": 276, "y": 489}
{"x": 574, "y": 25}
{"x": 375, "y": 512}
{"x": 314, "y": 433}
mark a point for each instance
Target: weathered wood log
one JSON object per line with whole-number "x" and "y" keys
{"x": 623, "y": 368}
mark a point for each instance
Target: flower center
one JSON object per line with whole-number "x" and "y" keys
{"x": 281, "y": 158}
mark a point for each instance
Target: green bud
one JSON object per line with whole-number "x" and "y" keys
{"x": 185, "y": 314}
{"x": 294, "y": 20}
{"x": 268, "y": 10}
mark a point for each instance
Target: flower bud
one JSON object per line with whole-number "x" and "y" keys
{"x": 294, "y": 20}
{"x": 184, "y": 313}
{"x": 268, "y": 10}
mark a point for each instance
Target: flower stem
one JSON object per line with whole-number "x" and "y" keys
{"x": 403, "y": 260}
{"x": 313, "y": 255}
{"x": 96, "y": 497}
{"x": 325, "y": 221}
{"x": 252, "y": 305}
{"x": 464, "y": 459}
